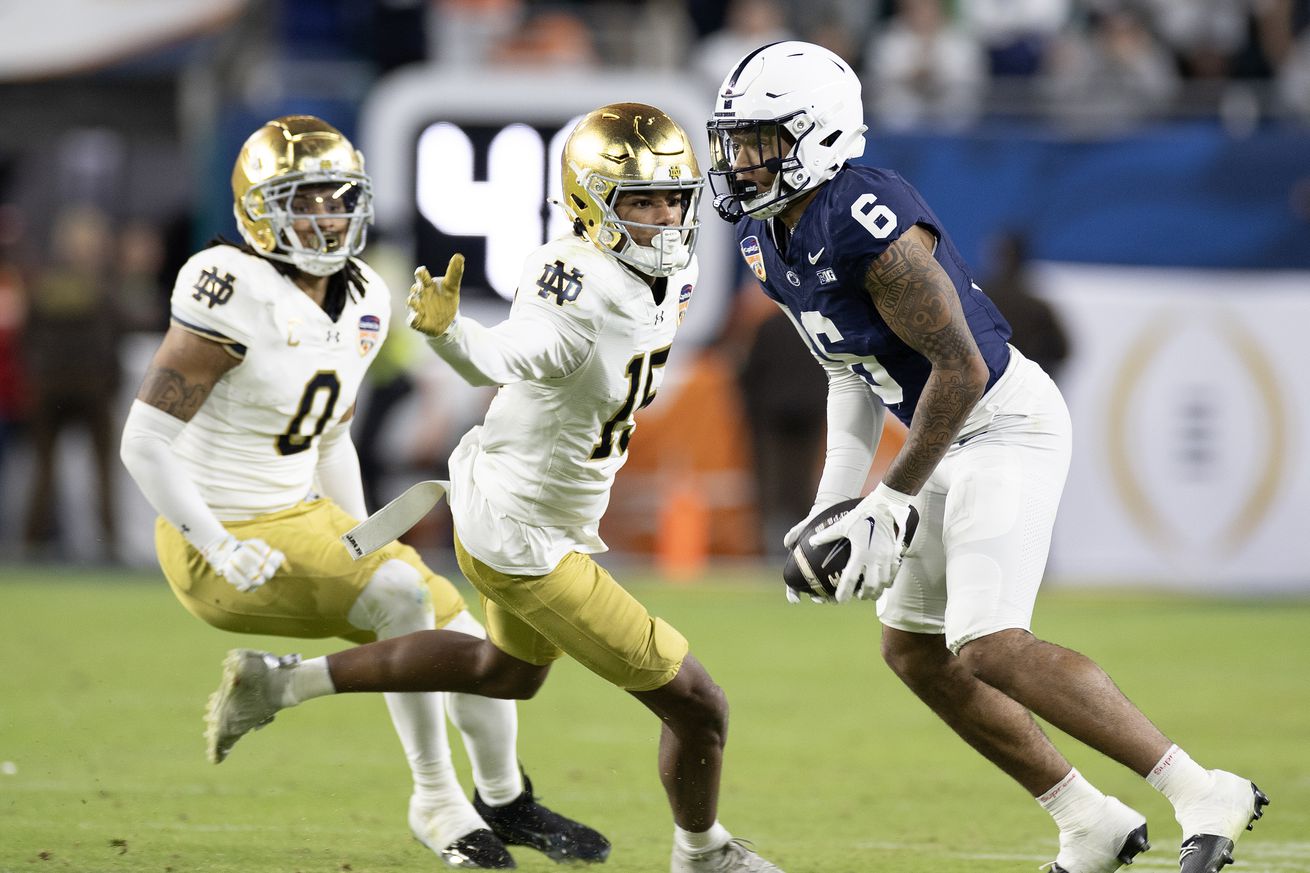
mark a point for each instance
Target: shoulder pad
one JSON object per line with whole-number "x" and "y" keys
{"x": 219, "y": 289}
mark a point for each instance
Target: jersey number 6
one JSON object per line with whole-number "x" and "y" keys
{"x": 877, "y": 220}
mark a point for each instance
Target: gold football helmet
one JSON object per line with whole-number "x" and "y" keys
{"x": 627, "y": 147}
{"x": 299, "y": 168}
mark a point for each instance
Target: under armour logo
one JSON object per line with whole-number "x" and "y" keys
{"x": 334, "y": 336}
{"x": 565, "y": 286}
{"x": 217, "y": 289}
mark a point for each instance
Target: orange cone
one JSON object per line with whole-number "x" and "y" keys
{"x": 684, "y": 533}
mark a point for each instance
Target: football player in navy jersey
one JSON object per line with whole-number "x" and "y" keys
{"x": 873, "y": 284}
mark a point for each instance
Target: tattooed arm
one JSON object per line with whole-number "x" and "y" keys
{"x": 917, "y": 300}
{"x": 180, "y": 378}
{"x": 183, "y": 372}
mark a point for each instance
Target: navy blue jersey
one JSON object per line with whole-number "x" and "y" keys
{"x": 819, "y": 280}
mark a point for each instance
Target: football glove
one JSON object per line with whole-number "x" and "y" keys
{"x": 432, "y": 303}
{"x": 789, "y": 543}
{"x": 789, "y": 540}
{"x": 794, "y": 596}
{"x": 876, "y": 528}
{"x": 244, "y": 564}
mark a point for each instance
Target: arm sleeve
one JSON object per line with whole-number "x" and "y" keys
{"x": 147, "y": 453}
{"x": 854, "y": 428}
{"x": 527, "y": 345}
{"x": 338, "y": 473}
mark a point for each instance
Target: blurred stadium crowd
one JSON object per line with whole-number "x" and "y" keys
{"x": 115, "y": 145}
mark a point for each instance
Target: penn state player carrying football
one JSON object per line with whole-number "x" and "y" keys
{"x": 245, "y": 411}
{"x": 583, "y": 349}
{"x": 874, "y": 285}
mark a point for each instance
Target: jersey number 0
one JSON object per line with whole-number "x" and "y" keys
{"x": 293, "y": 440}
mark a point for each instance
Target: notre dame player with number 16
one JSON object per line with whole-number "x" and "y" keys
{"x": 239, "y": 437}
{"x": 879, "y": 293}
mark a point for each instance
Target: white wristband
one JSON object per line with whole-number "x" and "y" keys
{"x": 890, "y": 495}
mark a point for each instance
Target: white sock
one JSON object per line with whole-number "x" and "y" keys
{"x": 421, "y": 725}
{"x": 489, "y": 728}
{"x": 308, "y": 680}
{"x": 706, "y": 841}
{"x": 1073, "y": 802}
{"x": 1178, "y": 777}
{"x": 395, "y": 602}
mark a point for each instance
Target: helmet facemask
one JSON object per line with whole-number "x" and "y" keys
{"x": 739, "y": 147}
{"x": 341, "y": 197}
{"x": 671, "y": 247}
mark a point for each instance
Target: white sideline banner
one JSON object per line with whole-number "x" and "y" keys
{"x": 1190, "y": 396}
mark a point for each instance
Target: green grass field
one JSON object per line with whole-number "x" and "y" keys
{"x": 832, "y": 765}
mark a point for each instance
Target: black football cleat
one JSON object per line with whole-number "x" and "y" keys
{"x": 524, "y": 822}
{"x": 478, "y": 850}
{"x": 1210, "y": 853}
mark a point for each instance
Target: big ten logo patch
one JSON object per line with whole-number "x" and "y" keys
{"x": 214, "y": 288}
{"x": 565, "y": 286}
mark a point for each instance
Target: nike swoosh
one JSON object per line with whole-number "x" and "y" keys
{"x": 814, "y": 258}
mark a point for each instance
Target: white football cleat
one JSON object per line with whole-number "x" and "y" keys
{"x": 1213, "y": 821}
{"x": 1117, "y": 837}
{"x": 732, "y": 857}
{"x": 247, "y": 698}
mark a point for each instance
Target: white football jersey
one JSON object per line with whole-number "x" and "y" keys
{"x": 252, "y": 447}
{"x": 552, "y": 442}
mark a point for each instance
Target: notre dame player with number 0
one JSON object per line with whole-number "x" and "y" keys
{"x": 582, "y": 351}
{"x": 239, "y": 437}
{"x": 875, "y": 287}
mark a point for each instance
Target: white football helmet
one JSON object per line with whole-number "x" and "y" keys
{"x": 792, "y": 108}
{"x": 288, "y": 163}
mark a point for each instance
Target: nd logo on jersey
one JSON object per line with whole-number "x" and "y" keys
{"x": 369, "y": 328}
{"x": 750, "y": 250}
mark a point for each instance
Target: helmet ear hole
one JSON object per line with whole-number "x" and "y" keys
{"x": 831, "y": 138}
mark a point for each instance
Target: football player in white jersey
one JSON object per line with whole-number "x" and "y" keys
{"x": 239, "y": 438}
{"x": 582, "y": 350}
{"x": 880, "y": 295}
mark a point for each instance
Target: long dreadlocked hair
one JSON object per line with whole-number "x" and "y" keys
{"x": 349, "y": 280}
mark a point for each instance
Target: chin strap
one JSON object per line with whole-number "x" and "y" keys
{"x": 729, "y": 208}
